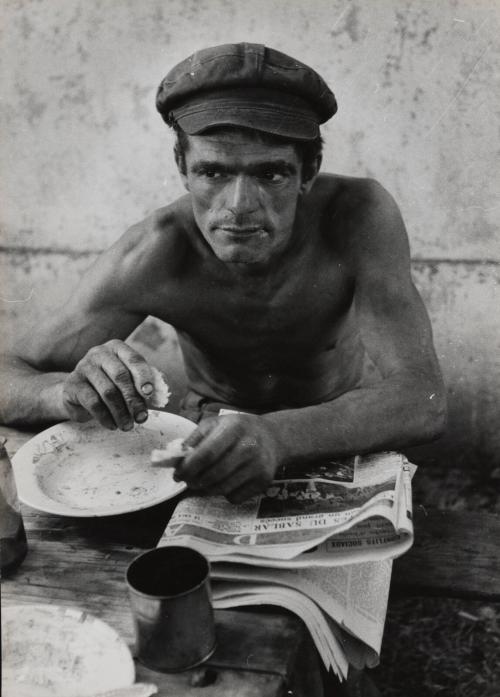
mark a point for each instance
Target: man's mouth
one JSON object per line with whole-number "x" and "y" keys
{"x": 240, "y": 229}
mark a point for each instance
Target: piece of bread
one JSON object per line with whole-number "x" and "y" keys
{"x": 161, "y": 393}
{"x": 171, "y": 454}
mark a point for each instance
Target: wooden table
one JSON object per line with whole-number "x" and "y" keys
{"x": 81, "y": 563}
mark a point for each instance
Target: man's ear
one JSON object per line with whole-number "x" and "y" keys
{"x": 180, "y": 161}
{"x": 312, "y": 173}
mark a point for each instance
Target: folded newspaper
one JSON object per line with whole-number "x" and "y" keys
{"x": 319, "y": 543}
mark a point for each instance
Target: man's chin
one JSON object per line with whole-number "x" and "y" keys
{"x": 248, "y": 249}
{"x": 237, "y": 256}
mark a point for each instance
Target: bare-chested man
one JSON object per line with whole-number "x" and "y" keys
{"x": 277, "y": 280}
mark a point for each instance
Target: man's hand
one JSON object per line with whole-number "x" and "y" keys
{"x": 111, "y": 384}
{"x": 235, "y": 455}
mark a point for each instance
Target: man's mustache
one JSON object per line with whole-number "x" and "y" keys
{"x": 237, "y": 222}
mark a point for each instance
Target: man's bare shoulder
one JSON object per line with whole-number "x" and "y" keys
{"x": 358, "y": 214}
{"x": 163, "y": 232}
{"x": 351, "y": 196}
{"x": 148, "y": 254}
{"x": 158, "y": 244}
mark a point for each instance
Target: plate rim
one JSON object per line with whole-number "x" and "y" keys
{"x": 24, "y": 467}
{"x": 76, "y": 613}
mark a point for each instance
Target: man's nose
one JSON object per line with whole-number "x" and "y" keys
{"x": 243, "y": 195}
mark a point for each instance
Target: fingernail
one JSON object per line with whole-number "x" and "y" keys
{"x": 128, "y": 426}
{"x": 147, "y": 388}
{"x": 141, "y": 417}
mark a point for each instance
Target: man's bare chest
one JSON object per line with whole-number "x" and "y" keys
{"x": 301, "y": 314}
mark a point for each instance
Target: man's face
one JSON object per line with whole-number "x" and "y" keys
{"x": 244, "y": 194}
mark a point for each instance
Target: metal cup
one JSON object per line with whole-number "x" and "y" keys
{"x": 169, "y": 592}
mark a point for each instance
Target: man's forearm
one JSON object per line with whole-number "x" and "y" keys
{"x": 28, "y": 396}
{"x": 390, "y": 415}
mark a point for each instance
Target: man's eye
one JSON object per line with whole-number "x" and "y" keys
{"x": 271, "y": 176}
{"x": 211, "y": 174}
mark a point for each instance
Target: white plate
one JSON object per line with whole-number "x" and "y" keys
{"x": 85, "y": 470}
{"x": 52, "y": 651}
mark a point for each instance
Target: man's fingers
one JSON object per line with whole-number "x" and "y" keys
{"x": 183, "y": 471}
{"x": 210, "y": 450}
{"x": 93, "y": 404}
{"x": 107, "y": 364}
{"x": 111, "y": 399}
{"x": 111, "y": 383}
{"x": 78, "y": 413}
{"x": 236, "y": 490}
{"x": 234, "y": 456}
{"x": 234, "y": 480}
{"x": 121, "y": 378}
{"x": 200, "y": 433}
{"x": 140, "y": 370}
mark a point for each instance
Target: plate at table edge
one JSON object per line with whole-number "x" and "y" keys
{"x": 55, "y": 446}
{"x": 53, "y": 629}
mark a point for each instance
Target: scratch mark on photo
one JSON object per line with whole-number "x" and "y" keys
{"x": 24, "y": 300}
{"x": 460, "y": 91}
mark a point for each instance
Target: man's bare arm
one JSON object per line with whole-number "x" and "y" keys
{"x": 407, "y": 406}
{"x": 68, "y": 363}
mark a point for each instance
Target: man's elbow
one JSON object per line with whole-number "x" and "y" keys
{"x": 433, "y": 414}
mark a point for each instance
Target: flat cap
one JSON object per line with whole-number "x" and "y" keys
{"x": 248, "y": 85}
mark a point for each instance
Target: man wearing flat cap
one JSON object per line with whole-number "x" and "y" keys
{"x": 281, "y": 283}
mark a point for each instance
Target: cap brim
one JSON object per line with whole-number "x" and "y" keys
{"x": 276, "y": 120}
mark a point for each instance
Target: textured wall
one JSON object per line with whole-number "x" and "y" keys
{"x": 84, "y": 154}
